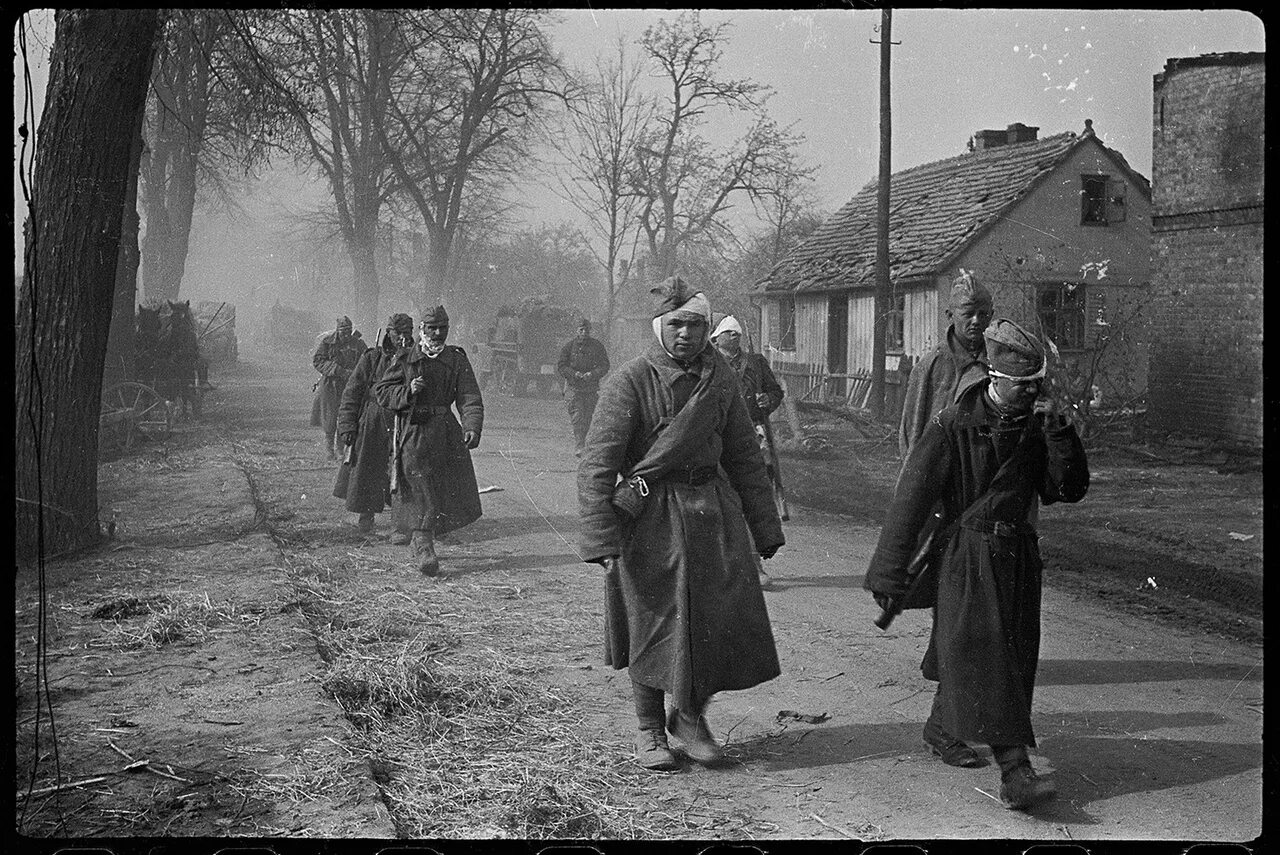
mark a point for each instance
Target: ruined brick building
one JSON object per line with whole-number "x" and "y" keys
{"x": 1205, "y": 374}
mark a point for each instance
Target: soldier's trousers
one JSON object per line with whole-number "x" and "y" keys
{"x": 582, "y": 406}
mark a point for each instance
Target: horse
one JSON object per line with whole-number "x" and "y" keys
{"x": 146, "y": 344}
{"x": 179, "y": 357}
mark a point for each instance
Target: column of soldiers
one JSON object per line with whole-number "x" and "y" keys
{"x": 680, "y": 504}
{"x": 389, "y": 411}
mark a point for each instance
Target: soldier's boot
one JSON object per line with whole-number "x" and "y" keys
{"x": 692, "y": 730}
{"x": 400, "y": 538}
{"x": 365, "y": 524}
{"x": 328, "y": 447}
{"x": 424, "y": 549}
{"x": 1022, "y": 789}
{"x": 652, "y": 750}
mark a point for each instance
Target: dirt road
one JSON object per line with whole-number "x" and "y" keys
{"x": 246, "y": 641}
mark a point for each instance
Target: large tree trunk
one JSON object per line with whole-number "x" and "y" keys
{"x": 119, "y": 364}
{"x": 98, "y": 74}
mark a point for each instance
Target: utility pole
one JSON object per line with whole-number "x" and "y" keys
{"x": 882, "y": 294}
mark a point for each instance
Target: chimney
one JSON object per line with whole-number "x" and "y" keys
{"x": 987, "y": 139}
{"x": 1015, "y": 133}
{"x": 1018, "y": 132}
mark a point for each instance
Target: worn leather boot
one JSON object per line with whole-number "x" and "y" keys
{"x": 424, "y": 549}
{"x": 328, "y": 448}
{"x": 400, "y": 538}
{"x": 365, "y": 523}
{"x": 952, "y": 751}
{"x": 696, "y": 737}
{"x": 1021, "y": 788}
{"x": 652, "y": 751}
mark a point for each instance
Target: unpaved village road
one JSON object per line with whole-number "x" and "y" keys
{"x": 1150, "y": 733}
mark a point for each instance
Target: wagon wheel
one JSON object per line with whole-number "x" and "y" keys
{"x": 151, "y": 414}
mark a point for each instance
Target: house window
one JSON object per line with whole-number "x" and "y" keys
{"x": 895, "y": 325}
{"x": 782, "y": 329}
{"x": 1093, "y": 200}
{"x": 1061, "y": 312}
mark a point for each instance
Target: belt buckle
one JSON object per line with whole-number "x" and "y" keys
{"x": 1003, "y": 529}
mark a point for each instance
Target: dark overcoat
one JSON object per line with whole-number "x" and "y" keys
{"x": 692, "y": 616}
{"x": 430, "y": 445}
{"x": 335, "y": 361}
{"x": 937, "y": 381}
{"x": 986, "y": 632}
{"x": 755, "y": 376}
{"x": 365, "y": 482}
{"x": 585, "y": 355}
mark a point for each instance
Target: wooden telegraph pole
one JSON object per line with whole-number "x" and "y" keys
{"x": 881, "y": 308}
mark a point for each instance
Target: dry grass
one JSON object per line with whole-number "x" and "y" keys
{"x": 465, "y": 740}
{"x": 170, "y": 618}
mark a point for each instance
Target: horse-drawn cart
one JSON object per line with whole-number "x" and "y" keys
{"x": 131, "y": 410}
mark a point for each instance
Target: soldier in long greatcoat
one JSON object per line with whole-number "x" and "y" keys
{"x": 335, "y": 357}
{"x": 682, "y": 536}
{"x": 431, "y": 457}
{"x": 989, "y": 459}
{"x": 364, "y": 429}
{"x": 939, "y": 380}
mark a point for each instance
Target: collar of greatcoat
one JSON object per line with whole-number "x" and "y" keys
{"x": 669, "y": 370}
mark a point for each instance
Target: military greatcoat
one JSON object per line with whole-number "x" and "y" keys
{"x": 692, "y": 615}
{"x": 986, "y": 633}
{"x": 335, "y": 361}
{"x": 365, "y": 482}
{"x": 430, "y": 452}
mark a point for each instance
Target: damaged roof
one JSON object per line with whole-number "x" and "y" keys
{"x": 935, "y": 211}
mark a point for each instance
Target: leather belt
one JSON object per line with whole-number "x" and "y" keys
{"x": 692, "y": 477}
{"x": 1000, "y": 528}
{"x": 423, "y": 414}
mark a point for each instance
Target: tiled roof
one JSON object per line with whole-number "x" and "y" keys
{"x": 934, "y": 211}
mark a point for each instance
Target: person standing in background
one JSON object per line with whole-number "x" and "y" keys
{"x": 583, "y": 363}
{"x": 335, "y": 357}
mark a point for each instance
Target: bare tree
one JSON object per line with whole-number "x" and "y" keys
{"x": 203, "y": 119}
{"x": 604, "y": 125}
{"x": 330, "y": 71}
{"x": 459, "y": 113}
{"x": 85, "y": 160}
{"x": 685, "y": 185}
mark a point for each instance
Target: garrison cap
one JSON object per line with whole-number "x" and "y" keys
{"x": 966, "y": 288}
{"x": 400, "y": 324}
{"x": 344, "y": 323}
{"x": 1013, "y": 352}
{"x": 436, "y": 317}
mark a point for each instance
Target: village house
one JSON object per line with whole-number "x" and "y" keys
{"x": 1208, "y": 144}
{"x": 1057, "y": 228}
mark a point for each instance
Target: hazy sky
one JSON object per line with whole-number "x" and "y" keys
{"x": 955, "y": 72}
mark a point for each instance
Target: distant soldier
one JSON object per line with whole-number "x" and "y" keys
{"x": 583, "y": 362}
{"x": 762, "y": 394}
{"x": 990, "y": 459}
{"x": 335, "y": 357}
{"x": 364, "y": 428}
{"x": 944, "y": 373}
{"x": 431, "y": 452}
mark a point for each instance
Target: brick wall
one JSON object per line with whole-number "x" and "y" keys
{"x": 1207, "y": 196}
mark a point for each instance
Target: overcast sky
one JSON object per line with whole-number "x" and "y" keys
{"x": 954, "y": 72}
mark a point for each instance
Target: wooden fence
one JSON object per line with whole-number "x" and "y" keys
{"x": 810, "y": 382}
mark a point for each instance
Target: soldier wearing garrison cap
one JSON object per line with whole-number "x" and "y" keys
{"x": 989, "y": 459}
{"x": 335, "y": 356}
{"x": 583, "y": 363}
{"x": 944, "y": 373}
{"x": 364, "y": 428}
{"x": 681, "y": 536}
{"x": 431, "y": 469}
